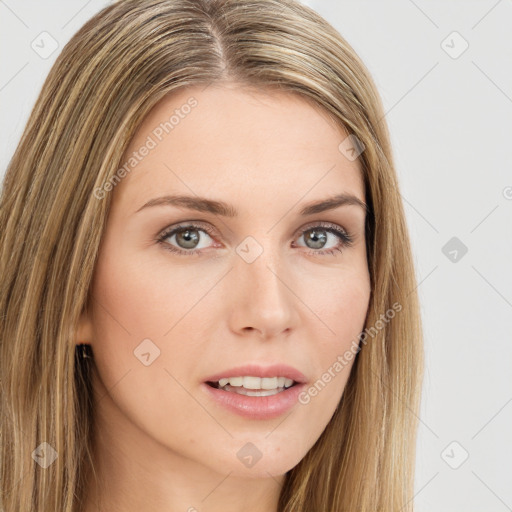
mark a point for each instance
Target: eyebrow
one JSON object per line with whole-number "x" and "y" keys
{"x": 202, "y": 204}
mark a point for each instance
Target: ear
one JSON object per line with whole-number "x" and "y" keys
{"x": 84, "y": 332}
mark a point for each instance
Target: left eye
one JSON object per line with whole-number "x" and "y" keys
{"x": 187, "y": 237}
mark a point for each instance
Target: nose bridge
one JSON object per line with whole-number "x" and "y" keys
{"x": 261, "y": 298}
{"x": 261, "y": 270}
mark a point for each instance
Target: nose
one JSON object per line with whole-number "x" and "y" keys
{"x": 262, "y": 299}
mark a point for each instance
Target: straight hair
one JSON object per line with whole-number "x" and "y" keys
{"x": 106, "y": 79}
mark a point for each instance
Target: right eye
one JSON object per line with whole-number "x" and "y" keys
{"x": 187, "y": 235}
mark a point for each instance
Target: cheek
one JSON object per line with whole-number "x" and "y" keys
{"x": 340, "y": 302}
{"x": 340, "y": 306}
{"x": 147, "y": 311}
{"x": 134, "y": 306}
{"x": 142, "y": 298}
{"x": 138, "y": 319}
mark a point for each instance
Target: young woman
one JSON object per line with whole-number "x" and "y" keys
{"x": 208, "y": 298}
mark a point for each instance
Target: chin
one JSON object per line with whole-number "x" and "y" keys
{"x": 261, "y": 457}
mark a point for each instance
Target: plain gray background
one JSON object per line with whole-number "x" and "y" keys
{"x": 444, "y": 71}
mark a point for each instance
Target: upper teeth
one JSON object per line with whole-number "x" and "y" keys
{"x": 257, "y": 382}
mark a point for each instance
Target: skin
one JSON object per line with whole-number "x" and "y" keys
{"x": 163, "y": 445}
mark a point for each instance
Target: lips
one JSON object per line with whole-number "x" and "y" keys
{"x": 256, "y": 404}
{"x": 254, "y": 407}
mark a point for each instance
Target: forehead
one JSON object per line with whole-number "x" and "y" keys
{"x": 227, "y": 139}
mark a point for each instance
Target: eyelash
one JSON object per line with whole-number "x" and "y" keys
{"x": 346, "y": 238}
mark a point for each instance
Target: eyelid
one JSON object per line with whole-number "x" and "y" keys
{"x": 183, "y": 225}
{"x": 323, "y": 224}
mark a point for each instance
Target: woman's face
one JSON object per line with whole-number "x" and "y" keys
{"x": 254, "y": 282}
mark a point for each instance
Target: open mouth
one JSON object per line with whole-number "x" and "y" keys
{"x": 269, "y": 395}
{"x": 253, "y": 386}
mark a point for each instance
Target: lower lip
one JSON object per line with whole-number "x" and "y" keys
{"x": 256, "y": 407}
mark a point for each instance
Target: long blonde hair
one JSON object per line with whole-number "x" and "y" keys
{"x": 107, "y": 78}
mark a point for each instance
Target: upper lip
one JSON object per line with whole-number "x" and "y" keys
{"x": 255, "y": 370}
